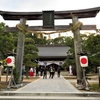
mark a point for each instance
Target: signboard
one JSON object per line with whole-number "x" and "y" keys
{"x": 48, "y": 19}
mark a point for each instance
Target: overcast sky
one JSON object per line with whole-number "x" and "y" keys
{"x": 42, "y": 5}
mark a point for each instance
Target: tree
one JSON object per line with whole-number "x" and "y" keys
{"x": 70, "y": 60}
{"x": 38, "y": 38}
{"x": 6, "y": 42}
{"x": 93, "y": 49}
{"x": 30, "y": 54}
{"x": 59, "y": 40}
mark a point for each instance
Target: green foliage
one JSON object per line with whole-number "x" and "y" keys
{"x": 41, "y": 40}
{"x": 70, "y": 60}
{"x": 2, "y": 27}
{"x": 31, "y": 53}
{"x": 59, "y": 40}
{"x": 6, "y": 42}
{"x": 92, "y": 45}
{"x": 62, "y": 40}
{"x": 95, "y": 87}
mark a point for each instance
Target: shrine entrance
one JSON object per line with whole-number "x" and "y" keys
{"x": 52, "y": 55}
{"x": 48, "y": 25}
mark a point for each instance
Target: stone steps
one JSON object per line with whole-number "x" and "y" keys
{"x": 48, "y": 96}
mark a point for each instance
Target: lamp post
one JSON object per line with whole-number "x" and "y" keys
{"x": 84, "y": 64}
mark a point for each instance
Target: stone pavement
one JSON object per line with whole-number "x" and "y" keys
{"x": 49, "y": 85}
{"x": 48, "y": 89}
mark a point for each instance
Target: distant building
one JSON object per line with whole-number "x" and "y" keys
{"x": 52, "y": 54}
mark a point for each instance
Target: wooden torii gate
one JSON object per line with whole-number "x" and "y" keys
{"x": 71, "y": 14}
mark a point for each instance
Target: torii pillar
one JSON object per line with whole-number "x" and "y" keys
{"x": 20, "y": 48}
{"x": 77, "y": 49}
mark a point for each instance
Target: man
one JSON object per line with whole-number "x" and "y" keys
{"x": 23, "y": 71}
{"x": 45, "y": 72}
{"x": 37, "y": 71}
{"x": 58, "y": 71}
{"x": 51, "y": 70}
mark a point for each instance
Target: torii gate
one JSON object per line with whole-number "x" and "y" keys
{"x": 71, "y": 14}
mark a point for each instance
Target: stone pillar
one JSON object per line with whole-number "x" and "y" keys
{"x": 20, "y": 48}
{"x": 77, "y": 49}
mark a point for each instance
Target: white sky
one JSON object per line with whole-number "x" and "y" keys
{"x": 56, "y": 5}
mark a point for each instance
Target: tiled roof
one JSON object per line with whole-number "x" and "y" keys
{"x": 53, "y": 51}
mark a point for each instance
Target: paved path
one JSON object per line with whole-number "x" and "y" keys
{"x": 49, "y": 85}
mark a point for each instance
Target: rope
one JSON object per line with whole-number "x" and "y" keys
{"x": 73, "y": 28}
{"x": 19, "y": 27}
{"x": 79, "y": 24}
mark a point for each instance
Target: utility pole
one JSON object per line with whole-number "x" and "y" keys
{"x": 20, "y": 48}
{"x": 77, "y": 49}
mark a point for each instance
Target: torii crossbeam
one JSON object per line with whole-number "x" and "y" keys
{"x": 84, "y": 13}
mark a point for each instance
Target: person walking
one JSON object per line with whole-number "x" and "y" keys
{"x": 37, "y": 71}
{"x": 41, "y": 71}
{"x": 31, "y": 73}
{"x": 51, "y": 72}
{"x": 45, "y": 72}
{"x": 23, "y": 71}
{"x": 58, "y": 71}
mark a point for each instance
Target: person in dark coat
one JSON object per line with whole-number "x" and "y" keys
{"x": 58, "y": 71}
{"x": 41, "y": 71}
{"x": 45, "y": 72}
{"x": 23, "y": 71}
{"x": 37, "y": 71}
